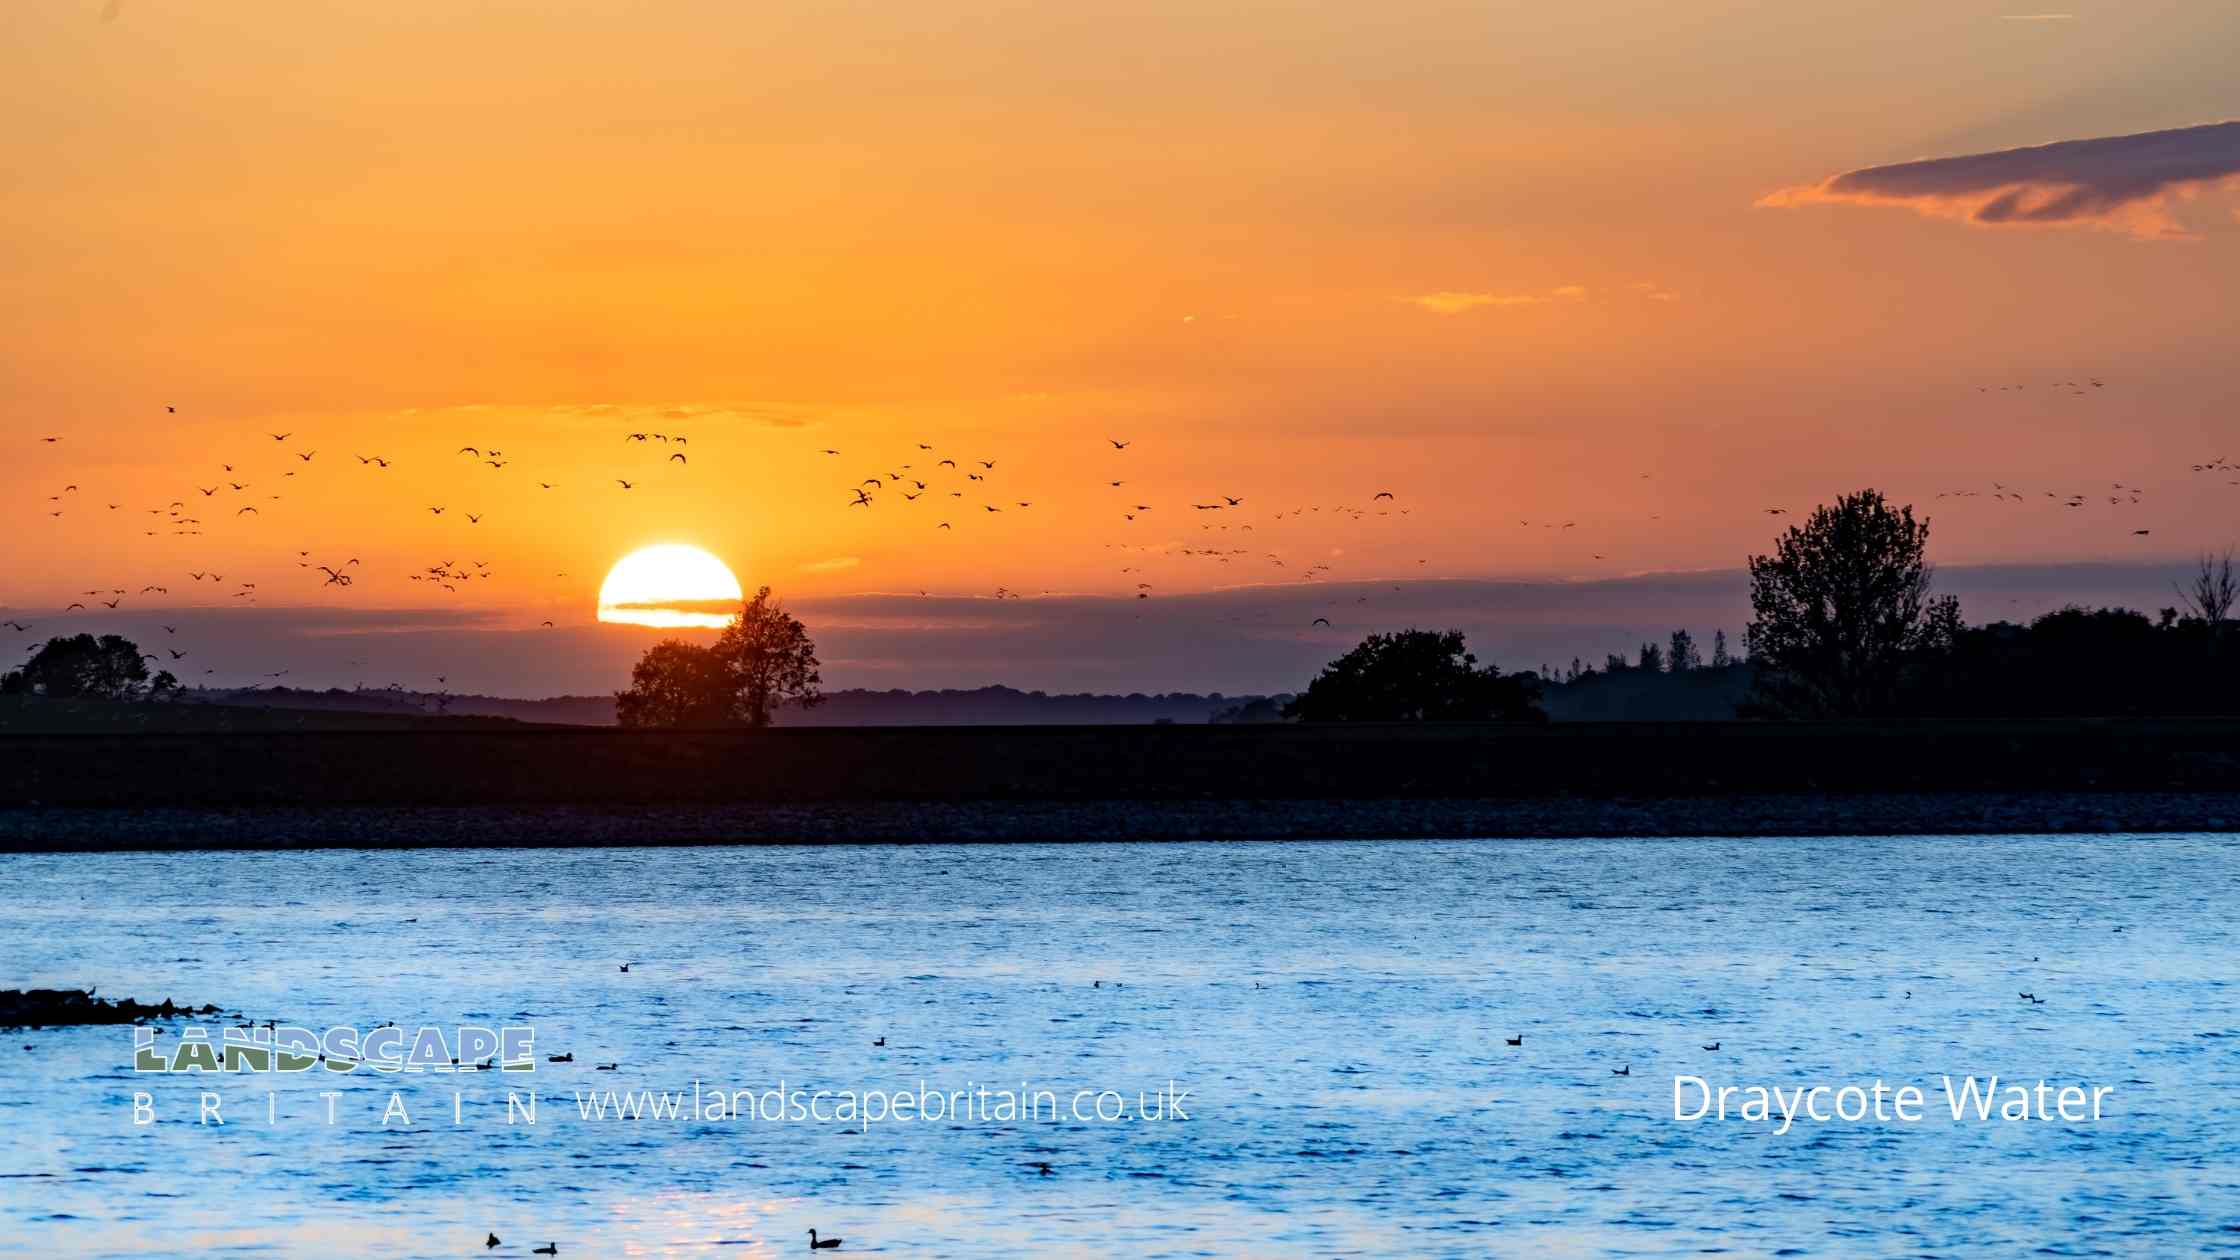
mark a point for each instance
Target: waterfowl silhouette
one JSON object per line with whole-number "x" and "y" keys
{"x": 549, "y": 1249}
{"x": 1627, "y": 1070}
{"x": 569, "y": 1057}
{"x": 1713, "y": 1046}
{"x": 880, "y": 1042}
{"x": 491, "y": 1241}
{"x": 1517, "y": 1040}
{"x": 626, "y": 966}
{"x": 821, "y": 1244}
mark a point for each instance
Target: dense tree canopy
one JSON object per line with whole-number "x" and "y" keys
{"x": 769, "y": 653}
{"x": 764, "y": 659}
{"x": 678, "y": 684}
{"x": 1415, "y": 676}
{"x": 1842, "y": 609}
{"x": 82, "y": 667}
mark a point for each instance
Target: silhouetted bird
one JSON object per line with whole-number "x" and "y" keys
{"x": 817, "y": 1244}
{"x": 1627, "y": 1070}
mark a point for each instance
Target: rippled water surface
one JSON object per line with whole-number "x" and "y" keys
{"x": 1337, "y": 1012}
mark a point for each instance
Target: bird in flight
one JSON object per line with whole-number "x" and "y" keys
{"x": 438, "y": 511}
{"x": 1119, "y": 445}
{"x": 1382, "y": 494}
{"x": 861, "y": 499}
{"x": 242, "y": 511}
{"x": 987, "y": 463}
{"x": 1320, "y": 621}
{"x": 620, "y": 482}
{"x": 473, "y": 519}
{"x": 679, "y": 457}
{"x": 280, "y": 437}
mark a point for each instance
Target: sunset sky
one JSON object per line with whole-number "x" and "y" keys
{"x": 1648, "y": 268}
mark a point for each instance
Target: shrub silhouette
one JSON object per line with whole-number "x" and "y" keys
{"x": 1415, "y": 676}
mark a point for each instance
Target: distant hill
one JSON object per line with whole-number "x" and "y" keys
{"x": 23, "y": 715}
{"x": 1630, "y": 695}
{"x": 981, "y": 706}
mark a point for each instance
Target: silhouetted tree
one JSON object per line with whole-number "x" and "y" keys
{"x": 762, "y": 660}
{"x": 1719, "y": 657}
{"x": 2212, "y": 592}
{"x": 82, "y": 667}
{"x": 1652, "y": 658}
{"x": 1841, "y": 607}
{"x": 770, "y": 654}
{"x": 678, "y": 684}
{"x": 1415, "y": 676}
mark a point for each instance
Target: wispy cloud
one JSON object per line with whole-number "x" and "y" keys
{"x": 2037, "y": 17}
{"x": 834, "y": 565}
{"x": 2117, "y": 183}
{"x": 1455, "y": 302}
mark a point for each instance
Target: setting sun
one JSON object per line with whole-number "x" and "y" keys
{"x": 672, "y": 586}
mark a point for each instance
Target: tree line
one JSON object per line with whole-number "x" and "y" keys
{"x": 1844, "y": 624}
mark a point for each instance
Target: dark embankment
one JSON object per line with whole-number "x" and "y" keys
{"x": 532, "y": 785}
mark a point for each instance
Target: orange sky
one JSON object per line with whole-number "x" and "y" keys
{"x": 1503, "y": 259}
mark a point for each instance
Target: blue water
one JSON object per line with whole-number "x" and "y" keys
{"x": 1337, "y": 1013}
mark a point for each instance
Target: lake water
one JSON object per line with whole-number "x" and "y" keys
{"x": 1337, "y": 1012}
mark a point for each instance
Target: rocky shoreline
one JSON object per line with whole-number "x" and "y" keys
{"x": 65, "y": 1008}
{"x": 52, "y": 829}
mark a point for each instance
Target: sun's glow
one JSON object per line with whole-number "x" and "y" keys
{"x": 671, "y": 586}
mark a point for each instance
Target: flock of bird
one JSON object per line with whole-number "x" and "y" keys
{"x": 944, "y": 491}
